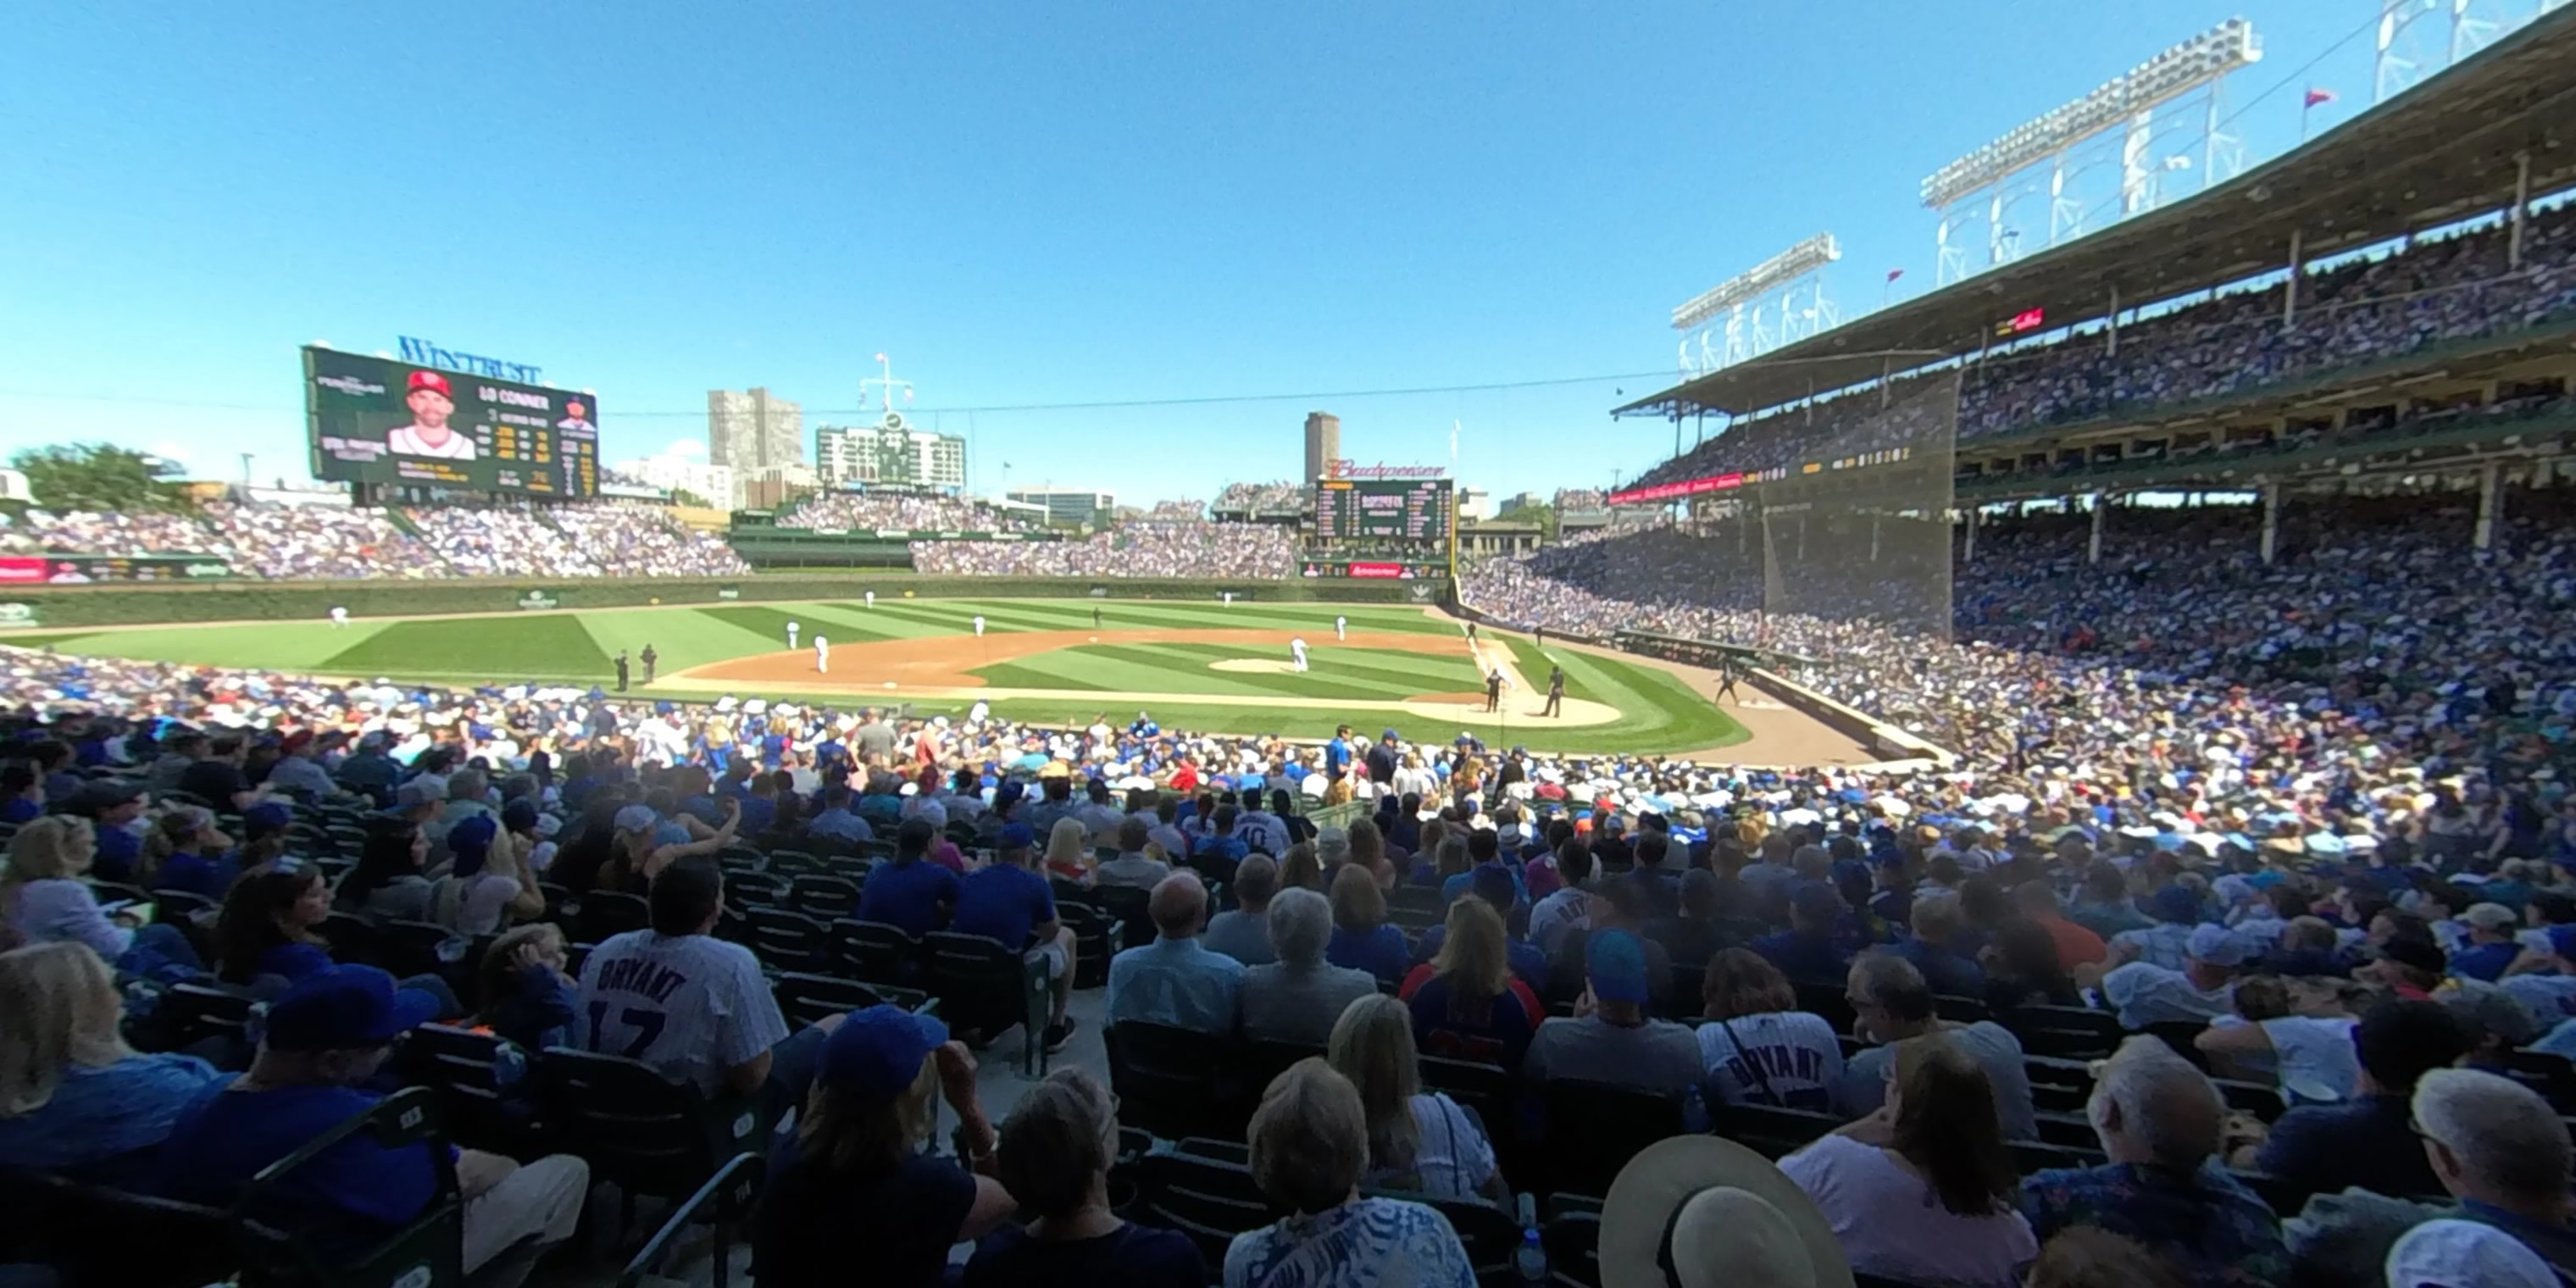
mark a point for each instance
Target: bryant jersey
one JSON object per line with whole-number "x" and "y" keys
{"x": 1788, "y": 1059}
{"x": 691, "y": 1006}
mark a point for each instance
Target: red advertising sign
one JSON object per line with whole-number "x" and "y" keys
{"x": 22, "y": 568}
{"x": 1670, "y": 491}
{"x": 1377, "y": 570}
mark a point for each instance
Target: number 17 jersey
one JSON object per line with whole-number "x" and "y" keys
{"x": 690, "y": 1006}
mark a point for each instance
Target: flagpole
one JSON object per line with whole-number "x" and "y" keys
{"x": 2307, "y": 108}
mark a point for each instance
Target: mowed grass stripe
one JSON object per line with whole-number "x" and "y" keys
{"x": 1315, "y": 621}
{"x": 1399, "y": 674}
{"x": 550, "y": 645}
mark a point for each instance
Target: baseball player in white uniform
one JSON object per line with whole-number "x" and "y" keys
{"x": 1341, "y": 627}
{"x": 1297, "y": 652}
{"x": 339, "y": 617}
{"x": 1229, "y": 599}
{"x": 872, "y": 599}
{"x": 792, "y": 628}
{"x": 979, "y": 626}
{"x": 822, "y": 655}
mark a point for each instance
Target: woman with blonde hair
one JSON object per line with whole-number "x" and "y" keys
{"x": 1935, "y": 1152}
{"x": 43, "y": 896}
{"x": 1426, "y": 856}
{"x": 73, "y": 1097}
{"x": 1424, "y": 1143}
{"x": 855, "y": 1175}
{"x": 1362, "y": 939}
{"x": 1337, "y": 792}
{"x": 1068, "y": 852}
{"x": 1466, "y": 1003}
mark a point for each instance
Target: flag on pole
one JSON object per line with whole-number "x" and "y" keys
{"x": 881, "y": 357}
{"x": 1895, "y": 273}
{"x": 2316, "y": 96}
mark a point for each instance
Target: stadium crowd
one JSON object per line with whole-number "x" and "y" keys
{"x": 1262, "y": 498}
{"x": 2321, "y": 989}
{"x": 856, "y": 511}
{"x": 1136, "y": 548}
{"x": 2362, "y": 310}
{"x": 314, "y": 542}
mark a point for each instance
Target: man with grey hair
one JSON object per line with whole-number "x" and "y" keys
{"x": 2158, "y": 1119}
{"x": 1243, "y": 932}
{"x": 466, "y": 790}
{"x": 1175, "y": 980}
{"x": 1297, "y": 998}
{"x": 2500, "y": 1149}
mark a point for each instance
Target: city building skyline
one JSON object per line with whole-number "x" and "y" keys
{"x": 1323, "y": 444}
{"x": 754, "y": 430}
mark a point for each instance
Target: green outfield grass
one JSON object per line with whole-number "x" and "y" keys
{"x": 1658, "y": 712}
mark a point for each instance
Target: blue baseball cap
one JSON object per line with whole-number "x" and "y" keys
{"x": 472, "y": 834}
{"x": 345, "y": 1008}
{"x": 2562, "y": 940}
{"x": 1615, "y": 963}
{"x": 266, "y": 818}
{"x": 1018, "y": 836}
{"x": 878, "y": 1051}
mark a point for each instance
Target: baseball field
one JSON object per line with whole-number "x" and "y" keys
{"x": 1224, "y": 668}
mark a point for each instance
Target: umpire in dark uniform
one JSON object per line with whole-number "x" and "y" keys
{"x": 1555, "y": 690}
{"x": 621, "y": 670}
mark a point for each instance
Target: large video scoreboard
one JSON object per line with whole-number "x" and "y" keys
{"x": 376, "y": 420}
{"x": 1383, "y": 510}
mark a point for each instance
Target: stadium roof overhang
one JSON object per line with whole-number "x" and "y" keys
{"x": 2445, "y": 151}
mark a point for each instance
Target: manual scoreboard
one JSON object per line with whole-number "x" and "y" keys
{"x": 1383, "y": 510}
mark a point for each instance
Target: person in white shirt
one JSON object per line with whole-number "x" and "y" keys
{"x": 2144, "y": 993}
{"x": 429, "y": 434}
{"x": 1758, "y": 1047}
{"x": 1341, "y": 628}
{"x": 793, "y": 626}
{"x": 822, "y": 655}
{"x": 339, "y": 617}
{"x": 694, "y": 1007}
{"x": 979, "y": 626}
{"x": 2309, "y": 1053}
{"x": 1568, "y": 907}
{"x": 1297, "y": 653}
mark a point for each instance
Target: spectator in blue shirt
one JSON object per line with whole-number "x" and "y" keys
{"x": 73, "y": 1097}
{"x": 1806, "y": 950}
{"x": 836, "y": 820}
{"x": 325, "y": 1039}
{"x": 1337, "y": 755}
{"x": 908, "y": 891}
{"x": 1362, "y": 939}
{"x": 1221, "y": 845}
{"x": 2369, "y": 1140}
{"x": 1484, "y": 850}
{"x": 2491, "y": 945}
{"x": 1007, "y": 902}
{"x": 22, "y": 792}
{"x": 112, "y": 809}
{"x": 186, "y": 852}
{"x": 1937, "y": 924}
{"x": 1176, "y": 980}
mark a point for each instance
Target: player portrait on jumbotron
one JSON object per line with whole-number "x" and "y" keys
{"x": 576, "y": 417}
{"x": 429, "y": 434}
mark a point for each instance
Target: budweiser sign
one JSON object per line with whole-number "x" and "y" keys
{"x": 1672, "y": 491}
{"x": 1354, "y": 470}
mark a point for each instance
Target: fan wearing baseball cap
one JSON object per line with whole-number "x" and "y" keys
{"x": 1610, "y": 1037}
{"x": 428, "y": 434}
{"x": 852, "y": 1187}
{"x": 2204, "y": 989}
{"x": 324, "y": 1039}
{"x": 1007, "y": 902}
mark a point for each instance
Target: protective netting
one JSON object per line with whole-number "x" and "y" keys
{"x": 1855, "y": 534}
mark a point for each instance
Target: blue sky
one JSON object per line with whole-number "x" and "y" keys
{"x": 1022, "y": 203}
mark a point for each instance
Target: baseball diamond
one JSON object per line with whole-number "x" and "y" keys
{"x": 1204, "y": 666}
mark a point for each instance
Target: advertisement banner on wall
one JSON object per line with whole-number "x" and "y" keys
{"x": 19, "y": 614}
{"x": 537, "y": 600}
{"x": 80, "y": 570}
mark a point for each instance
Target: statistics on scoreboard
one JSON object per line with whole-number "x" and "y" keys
{"x": 375, "y": 420}
{"x": 1382, "y": 510}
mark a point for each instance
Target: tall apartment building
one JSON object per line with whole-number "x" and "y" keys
{"x": 752, "y": 430}
{"x": 1323, "y": 444}
{"x": 890, "y": 454}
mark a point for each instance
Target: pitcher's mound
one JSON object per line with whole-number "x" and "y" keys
{"x": 1255, "y": 665}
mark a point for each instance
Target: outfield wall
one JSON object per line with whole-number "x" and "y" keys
{"x": 42, "y": 607}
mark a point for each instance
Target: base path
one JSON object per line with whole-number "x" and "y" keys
{"x": 939, "y": 668}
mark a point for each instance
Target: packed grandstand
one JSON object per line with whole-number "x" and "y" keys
{"x": 2225, "y": 935}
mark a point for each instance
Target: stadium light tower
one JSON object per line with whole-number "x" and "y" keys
{"x": 1780, "y": 300}
{"x": 2414, "y": 42}
{"x": 1977, "y": 187}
